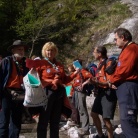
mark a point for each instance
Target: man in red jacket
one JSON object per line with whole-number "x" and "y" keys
{"x": 125, "y": 78}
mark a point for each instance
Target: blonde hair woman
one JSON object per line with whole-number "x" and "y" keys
{"x": 53, "y": 77}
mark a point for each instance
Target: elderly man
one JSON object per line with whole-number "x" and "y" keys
{"x": 12, "y": 70}
{"x": 126, "y": 80}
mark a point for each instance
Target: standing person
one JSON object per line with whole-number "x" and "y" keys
{"x": 75, "y": 114}
{"x": 105, "y": 101}
{"x": 79, "y": 98}
{"x": 12, "y": 70}
{"x": 52, "y": 76}
{"x": 125, "y": 78}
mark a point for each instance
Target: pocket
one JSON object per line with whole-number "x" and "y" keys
{"x": 132, "y": 95}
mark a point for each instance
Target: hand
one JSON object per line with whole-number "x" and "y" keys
{"x": 86, "y": 82}
{"x": 77, "y": 71}
{"x": 54, "y": 87}
{"x": 79, "y": 88}
{"x": 56, "y": 81}
{"x": 111, "y": 85}
{"x": 94, "y": 80}
{"x": 33, "y": 70}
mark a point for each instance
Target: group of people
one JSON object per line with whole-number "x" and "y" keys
{"x": 122, "y": 85}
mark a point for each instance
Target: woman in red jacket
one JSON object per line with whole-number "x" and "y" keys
{"x": 53, "y": 78}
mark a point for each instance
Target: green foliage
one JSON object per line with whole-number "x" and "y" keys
{"x": 9, "y": 11}
{"x": 74, "y": 25}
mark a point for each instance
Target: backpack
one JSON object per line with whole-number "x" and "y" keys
{"x": 92, "y": 68}
{"x": 110, "y": 69}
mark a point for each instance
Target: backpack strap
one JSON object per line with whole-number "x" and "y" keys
{"x": 101, "y": 65}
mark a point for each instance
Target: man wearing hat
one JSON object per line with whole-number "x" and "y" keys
{"x": 12, "y": 71}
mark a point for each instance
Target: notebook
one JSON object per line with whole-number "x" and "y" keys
{"x": 77, "y": 64}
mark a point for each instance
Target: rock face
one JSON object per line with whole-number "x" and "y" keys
{"x": 131, "y": 24}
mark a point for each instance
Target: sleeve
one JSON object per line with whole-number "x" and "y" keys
{"x": 68, "y": 78}
{"x": 3, "y": 72}
{"x": 126, "y": 62}
{"x": 86, "y": 74}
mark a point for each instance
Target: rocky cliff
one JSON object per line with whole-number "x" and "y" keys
{"x": 131, "y": 24}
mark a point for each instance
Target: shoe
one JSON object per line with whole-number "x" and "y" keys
{"x": 72, "y": 124}
{"x": 65, "y": 127}
{"x": 81, "y": 132}
{"x": 103, "y": 136}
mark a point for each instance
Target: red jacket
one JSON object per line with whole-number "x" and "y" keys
{"x": 78, "y": 80}
{"x": 48, "y": 74}
{"x": 127, "y": 68}
{"x": 101, "y": 75}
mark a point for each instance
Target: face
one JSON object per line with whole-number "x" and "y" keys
{"x": 18, "y": 52}
{"x": 50, "y": 53}
{"x": 119, "y": 41}
{"x": 96, "y": 54}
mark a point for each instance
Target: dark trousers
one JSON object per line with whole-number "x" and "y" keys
{"x": 127, "y": 94}
{"x": 50, "y": 115}
{"x": 10, "y": 118}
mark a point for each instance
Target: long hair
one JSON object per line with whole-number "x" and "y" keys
{"x": 102, "y": 50}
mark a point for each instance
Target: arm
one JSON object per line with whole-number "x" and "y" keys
{"x": 107, "y": 84}
{"x": 126, "y": 64}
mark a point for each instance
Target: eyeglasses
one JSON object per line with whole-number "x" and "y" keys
{"x": 115, "y": 39}
{"x": 95, "y": 52}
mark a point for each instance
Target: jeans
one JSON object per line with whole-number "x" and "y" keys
{"x": 127, "y": 94}
{"x": 10, "y": 117}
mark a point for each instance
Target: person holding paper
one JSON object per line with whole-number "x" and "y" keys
{"x": 75, "y": 114}
{"x": 79, "y": 96}
{"x": 53, "y": 78}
